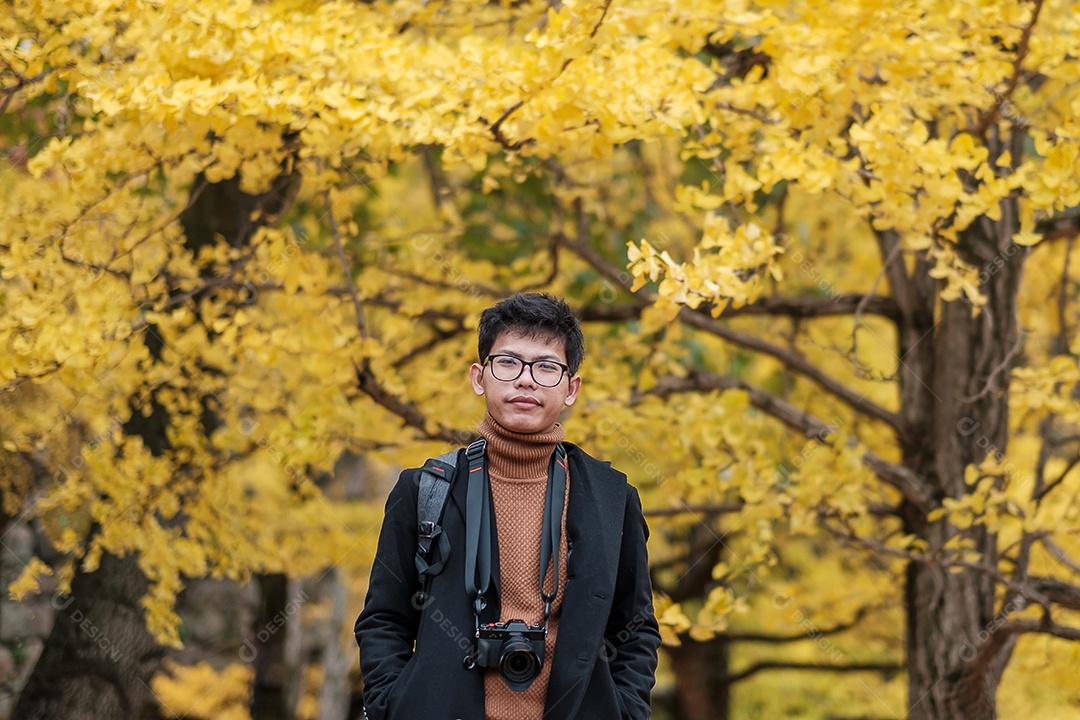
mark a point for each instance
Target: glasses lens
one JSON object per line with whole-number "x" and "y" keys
{"x": 505, "y": 367}
{"x": 547, "y": 374}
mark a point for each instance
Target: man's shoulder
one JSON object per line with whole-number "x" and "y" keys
{"x": 451, "y": 457}
{"x": 594, "y": 467}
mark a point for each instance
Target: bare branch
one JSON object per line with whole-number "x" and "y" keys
{"x": 435, "y": 181}
{"x": 20, "y": 379}
{"x": 603, "y": 14}
{"x": 1056, "y": 440}
{"x": 816, "y": 666}
{"x": 861, "y": 307}
{"x": 553, "y": 256}
{"x": 1028, "y": 592}
{"x": 840, "y": 304}
{"x": 361, "y": 326}
{"x": 713, "y": 509}
{"x": 1045, "y": 626}
{"x": 439, "y": 336}
{"x": 1049, "y": 440}
{"x": 1043, "y": 492}
{"x": 1056, "y": 591}
{"x": 757, "y": 115}
{"x": 901, "y": 286}
{"x": 497, "y": 133}
{"x": 444, "y": 285}
{"x": 699, "y": 320}
{"x": 914, "y": 488}
{"x": 1022, "y": 47}
{"x": 794, "y": 307}
{"x": 407, "y": 411}
{"x": 779, "y": 639}
{"x": 1063, "y": 225}
{"x": 1003, "y": 365}
{"x": 1060, "y": 554}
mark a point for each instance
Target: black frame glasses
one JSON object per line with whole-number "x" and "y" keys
{"x": 522, "y": 364}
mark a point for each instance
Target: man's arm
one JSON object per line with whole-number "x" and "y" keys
{"x": 387, "y": 626}
{"x": 632, "y": 637}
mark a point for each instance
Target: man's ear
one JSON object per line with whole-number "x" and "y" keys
{"x": 575, "y": 387}
{"x": 476, "y": 376}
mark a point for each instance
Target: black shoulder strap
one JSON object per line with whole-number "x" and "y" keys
{"x": 435, "y": 479}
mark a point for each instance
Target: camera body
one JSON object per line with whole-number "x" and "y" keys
{"x": 514, "y": 647}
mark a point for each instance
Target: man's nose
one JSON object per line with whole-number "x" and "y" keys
{"x": 526, "y": 377}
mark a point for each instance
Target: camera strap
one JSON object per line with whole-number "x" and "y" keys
{"x": 478, "y": 514}
{"x": 477, "y": 528}
{"x": 553, "y": 512}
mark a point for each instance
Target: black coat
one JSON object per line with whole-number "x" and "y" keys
{"x": 604, "y": 660}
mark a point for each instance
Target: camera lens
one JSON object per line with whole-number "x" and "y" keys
{"x": 519, "y": 664}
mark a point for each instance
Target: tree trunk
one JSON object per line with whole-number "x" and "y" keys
{"x": 702, "y": 689}
{"x": 954, "y": 406}
{"x": 700, "y": 669}
{"x": 99, "y": 658}
{"x": 334, "y": 694}
{"x": 270, "y": 698}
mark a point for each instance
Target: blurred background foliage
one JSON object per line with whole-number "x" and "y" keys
{"x": 823, "y": 256}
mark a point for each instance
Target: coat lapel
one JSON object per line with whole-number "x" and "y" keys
{"x": 594, "y": 520}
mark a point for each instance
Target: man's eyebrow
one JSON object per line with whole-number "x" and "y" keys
{"x": 543, "y": 356}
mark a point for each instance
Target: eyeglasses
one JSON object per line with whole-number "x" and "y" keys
{"x": 546, "y": 373}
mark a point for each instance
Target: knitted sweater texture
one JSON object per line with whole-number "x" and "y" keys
{"x": 518, "y": 470}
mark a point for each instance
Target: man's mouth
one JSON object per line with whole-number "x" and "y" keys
{"x": 525, "y": 401}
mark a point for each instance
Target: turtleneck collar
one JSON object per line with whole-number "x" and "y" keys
{"x": 519, "y": 456}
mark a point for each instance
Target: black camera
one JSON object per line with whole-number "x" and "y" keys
{"x": 515, "y": 648}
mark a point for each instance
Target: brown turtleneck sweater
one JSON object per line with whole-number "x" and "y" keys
{"x": 518, "y": 469}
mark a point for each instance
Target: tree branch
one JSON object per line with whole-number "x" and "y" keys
{"x": 1068, "y": 592}
{"x": 1045, "y": 626}
{"x": 699, "y": 320}
{"x": 821, "y": 667}
{"x": 728, "y": 508}
{"x": 407, "y": 411}
{"x": 861, "y": 307}
{"x": 1057, "y": 552}
{"x": 1043, "y": 492}
{"x": 794, "y": 307}
{"x": 599, "y": 22}
{"x": 1063, "y": 225}
{"x": 439, "y": 336}
{"x": 497, "y": 133}
{"x": 339, "y": 247}
{"x": 1001, "y": 98}
{"x": 914, "y": 489}
{"x": 1056, "y": 591}
{"x": 901, "y": 286}
{"x": 481, "y": 288}
{"x": 779, "y": 639}
{"x": 712, "y": 509}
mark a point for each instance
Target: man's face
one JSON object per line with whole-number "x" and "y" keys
{"x": 523, "y": 405}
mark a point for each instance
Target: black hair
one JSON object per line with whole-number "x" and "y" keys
{"x": 533, "y": 315}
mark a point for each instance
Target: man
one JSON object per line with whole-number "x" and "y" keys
{"x": 546, "y": 558}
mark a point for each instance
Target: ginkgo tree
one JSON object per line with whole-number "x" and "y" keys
{"x": 821, "y": 249}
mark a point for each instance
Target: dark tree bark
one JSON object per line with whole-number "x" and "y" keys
{"x": 99, "y": 656}
{"x": 703, "y": 690}
{"x": 954, "y": 378}
{"x": 701, "y": 687}
{"x": 270, "y": 698}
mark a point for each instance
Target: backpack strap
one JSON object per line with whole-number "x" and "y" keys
{"x": 435, "y": 479}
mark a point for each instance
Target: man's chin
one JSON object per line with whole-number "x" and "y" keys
{"x": 522, "y": 422}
